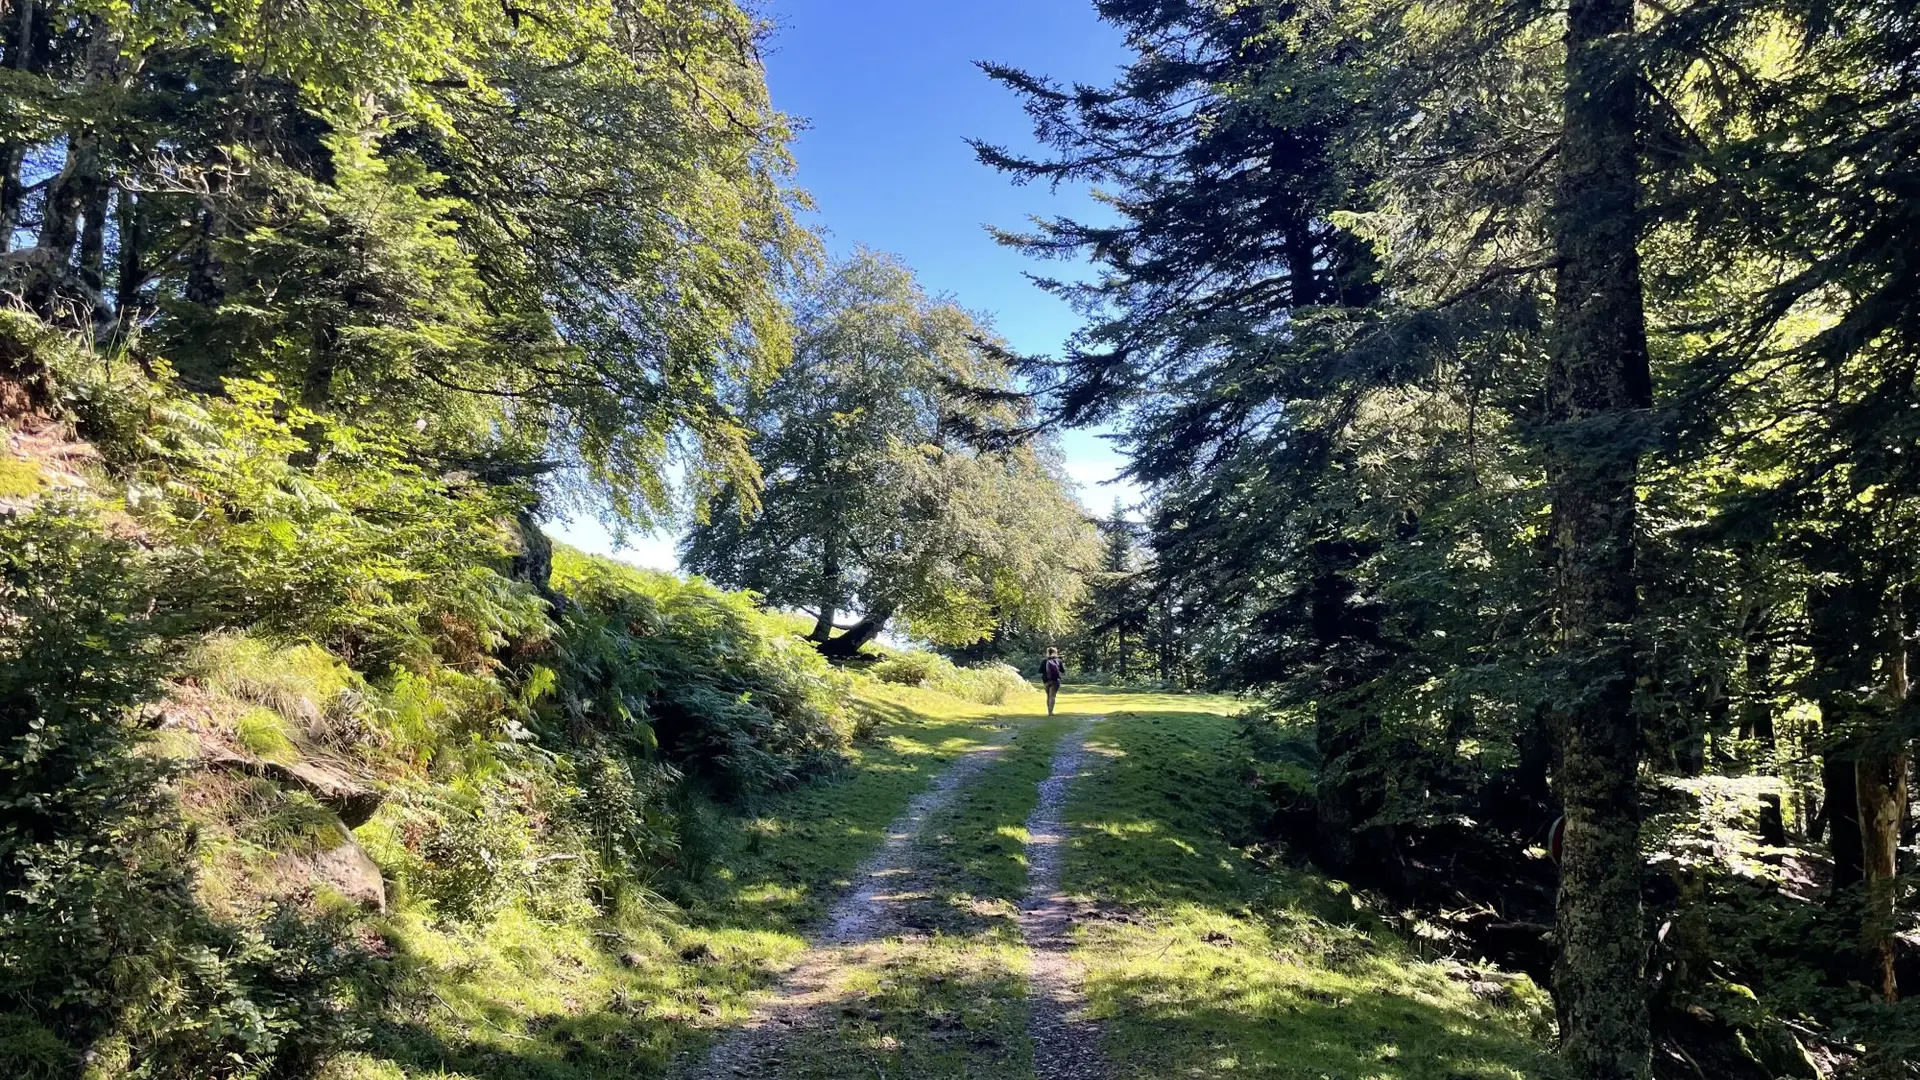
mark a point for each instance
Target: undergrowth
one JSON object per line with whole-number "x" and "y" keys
{"x": 298, "y": 775}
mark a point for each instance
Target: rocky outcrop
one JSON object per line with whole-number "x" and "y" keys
{"x": 355, "y": 801}
{"x": 533, "y": 561}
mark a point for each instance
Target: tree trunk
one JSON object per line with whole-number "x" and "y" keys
{"x": 93, "y": 237}
{"x": 1599, "y": 388}
{"x": 1840, "y": 618}
{"x": 1840, "y": 811}
{"x": 1756, "y": 711}
{"x": 1302, "y": 278}
{"x": 830, "y": 596}
{"x": 73, "y": 193}
{"x": 849, "y": 644}
{"x": 1880, "y": 780}
{"x": 1336, "y": 798}
{"x": 130, "y": 274}
{"x": 13, "y": 156}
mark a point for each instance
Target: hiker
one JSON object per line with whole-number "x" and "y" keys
{"x": 1050, "y": 673}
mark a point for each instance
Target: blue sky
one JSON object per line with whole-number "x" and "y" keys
{"x": 888, "y": 94}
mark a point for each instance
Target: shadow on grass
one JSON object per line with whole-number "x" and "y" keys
{"x": 938, "y": 1007}
{"x": 1196, "y": 1030}
{"x": 1200, "y": 963}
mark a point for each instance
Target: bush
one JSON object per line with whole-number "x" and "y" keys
{"x": 679, "y": 671}
{"x": 911, "y": 669}
{"x": 101, "y": 939}
{"x": 987, "y": 684}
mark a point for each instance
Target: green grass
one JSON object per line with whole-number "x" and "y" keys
{"x": 948, "y": 1001}
{"x": 528, "y": 999}
{"x": 782, "y": 866}
{"x": 1208, "y": 966}
{"x": 19, "y": 478}
{"x": 981, "y": 840}
{"x": 1203, "y": 964}
{"x": 260, "y": 732}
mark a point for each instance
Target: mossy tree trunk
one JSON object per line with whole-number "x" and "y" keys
{"x": 1599, "y": 392}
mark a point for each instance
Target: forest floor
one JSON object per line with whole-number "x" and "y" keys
{"x": 996, "y": 894}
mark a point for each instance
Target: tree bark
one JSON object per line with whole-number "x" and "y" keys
{"x": 1599, "y": 389}
{"x": 1756, "y": 710}
{"x": 830, "y": 595}
{"x": 130, "y": 274}
{"x": 849, "y": 644}
{"x": 13, "y": 156}
{"x": 73, "y": 196}
{"x": 93, "y": 237}
{"x": 1840, "y": 812}
{"x": 1880, "y": 782}
{"x": 1336, "y": 798}
{"x": 1839, "y": 621}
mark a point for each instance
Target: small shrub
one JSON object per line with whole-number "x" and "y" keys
{"x": 31, "y": 1052}
{"x": 677, "y": 670}
{"x": 623, "y": 806}
{"x": 700, "y": 834}
{"x": 474, "y": 859}
{"x": 991, "y": 684}
{"x": 910, "y": 668}
{"x": 988, "y": 684}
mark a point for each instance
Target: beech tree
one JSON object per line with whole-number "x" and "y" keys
{"x": 875, "y": 504}
{"x": 548, "y": 235}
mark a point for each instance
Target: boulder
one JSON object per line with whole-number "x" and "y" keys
{"x": 355, "y": 801}
{"x": 348, "y": 870}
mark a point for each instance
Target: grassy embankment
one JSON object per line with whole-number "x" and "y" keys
{"x": 526, "y": 997}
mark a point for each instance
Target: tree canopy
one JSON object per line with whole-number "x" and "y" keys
{"x": 875, "y": 503}
{"x": 1517, "y": 391}
{"x": 546, "y": 235}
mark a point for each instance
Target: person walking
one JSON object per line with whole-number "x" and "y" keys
{"x": 1050, "y": 673}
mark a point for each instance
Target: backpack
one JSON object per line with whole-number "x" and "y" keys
{"x": 1051, "y": 671}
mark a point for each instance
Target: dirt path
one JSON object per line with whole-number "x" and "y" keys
{"x": 1065, "y": 1043}
{"x": 869, "y": 913}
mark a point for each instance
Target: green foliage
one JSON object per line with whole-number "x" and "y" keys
{"x": 349, "y": 205}
{"x": 474, "y": 861}
{"x": 102, "y": 941}
{"x": 874, "y": 503}
{"x": 670, "y": 669}
{"x": 986, "y": 684}
{"x": 1480, "y": 417}
{"x": 308, "y": 528}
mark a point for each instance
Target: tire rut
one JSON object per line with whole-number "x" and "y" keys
{"x": 1066, "y": 1044}
{"x": 863, "y": 916}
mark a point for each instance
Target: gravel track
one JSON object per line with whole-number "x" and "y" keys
{"x": 865, "y": 915}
